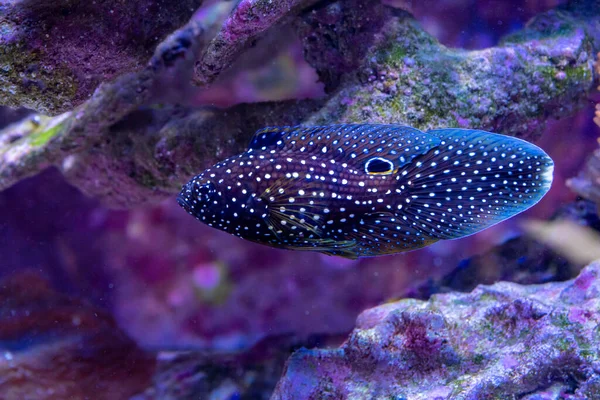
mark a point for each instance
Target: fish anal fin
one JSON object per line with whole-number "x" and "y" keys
{"x": 341, "y": 248}
{"x": 349, "y": 254}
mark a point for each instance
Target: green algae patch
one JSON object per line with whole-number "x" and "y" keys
{"x": 41, "y": 138}
{"x": 409, "y": 40}
{"x": 561, "y": 321}
{"x": 26, "y": 80}
{"x": 45, "y": 129}
{"x": 563, "y": 78}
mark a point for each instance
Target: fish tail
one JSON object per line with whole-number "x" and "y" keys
{"x": 471, "y": 181}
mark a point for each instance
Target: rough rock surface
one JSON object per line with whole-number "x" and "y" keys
{"x": 408, "y": 77}
{"x": 498, "y": 342}
{"x": 53, "y": 54}
{"x": 250, "y": 375}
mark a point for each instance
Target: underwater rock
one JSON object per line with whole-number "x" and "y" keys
{"x": 53, "y": 54}
{"x": 56, "y": 347}
{"x": 250, "y": 375}
{"x": 44, "y": 141}
{"x": 338, "y": 35}
{"x": 152, "y": 152}
{"x": 408, "y": 77}
{"x": 247, "y": 22}
{"x": 587, "y": 182}
{"x": 499, "y": 341}
{"x": 521, "y": 259}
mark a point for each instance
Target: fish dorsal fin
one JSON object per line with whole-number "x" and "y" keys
{"x": 373, "y": 148}
{"x": 268, "y": 138}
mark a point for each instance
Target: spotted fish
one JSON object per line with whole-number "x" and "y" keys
{"x": 368, "y": 190}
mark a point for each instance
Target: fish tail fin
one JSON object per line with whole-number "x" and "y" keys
{"x": 471, "y": 181}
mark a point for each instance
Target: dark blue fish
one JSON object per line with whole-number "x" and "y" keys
{"x": 368, "y": 190}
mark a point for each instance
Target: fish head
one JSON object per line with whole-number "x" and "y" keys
{"x": 199, "y": 196}
{"x": 222, "y": 199}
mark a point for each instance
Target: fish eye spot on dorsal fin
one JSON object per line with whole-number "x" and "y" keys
{"x": 267, "y": 137}
{"x": 379, "y": 166}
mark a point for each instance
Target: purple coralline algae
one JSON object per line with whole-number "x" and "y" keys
{"x": 501, "y": 341}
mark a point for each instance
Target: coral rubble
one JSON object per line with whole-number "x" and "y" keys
{"x": 499, "y": 341}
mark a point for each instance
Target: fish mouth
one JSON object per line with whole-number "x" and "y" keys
{"x": 184, "y": 203}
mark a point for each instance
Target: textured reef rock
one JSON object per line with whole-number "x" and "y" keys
{"x": 56, "y": 347}
{"x": 51, "y": 61}
{"x": 244, "y": 376}
{"x": 409, "y": 77}
{"x": 53, "y": 54}
{"x": 497, "y": 342}
{"x": 247, "y": 23}
{"x": 523, "y": 259}
{"x": 394, "y": 73}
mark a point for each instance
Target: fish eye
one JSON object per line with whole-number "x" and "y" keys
{"x": 379, "y": 166}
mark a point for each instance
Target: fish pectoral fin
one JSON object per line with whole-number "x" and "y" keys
{"x": 282, "y": 221}
{"x": 301, "y": 211}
